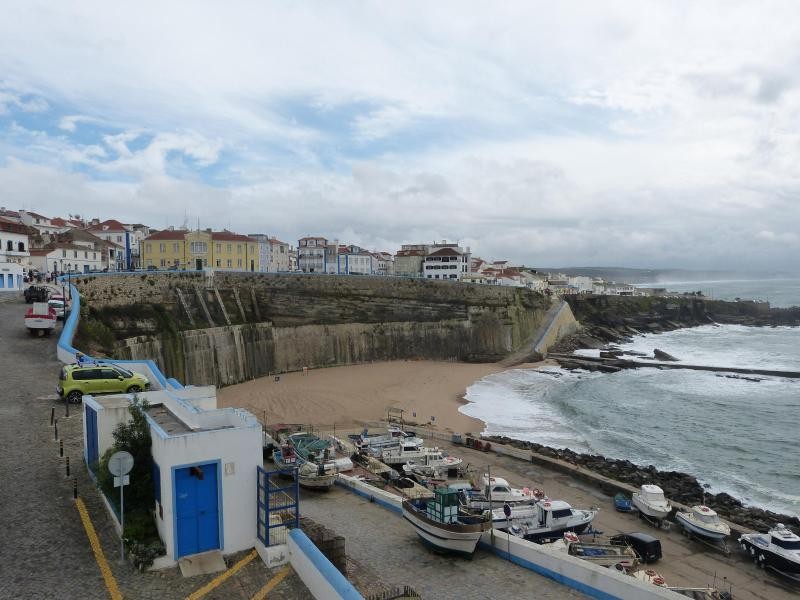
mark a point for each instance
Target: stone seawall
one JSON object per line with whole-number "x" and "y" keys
{"x": 231, "y": 327}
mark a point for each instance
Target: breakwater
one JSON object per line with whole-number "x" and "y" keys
{"x": 224, "y": 328}
{"x": 677, "y": 486}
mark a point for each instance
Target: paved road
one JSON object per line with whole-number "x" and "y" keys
{"x": 381, "y": 542}
{"x": 44, "y": 551}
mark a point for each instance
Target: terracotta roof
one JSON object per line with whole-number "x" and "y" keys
{"x": 166, "y": 234}
{"x": 108, "y": 225}
{"x": 229, "y": 236}
{"x": 10, "y": 226}
{"x": 445, "y": 252}
{"x": 402, "y": 253}
{"x": 277, "y": 241}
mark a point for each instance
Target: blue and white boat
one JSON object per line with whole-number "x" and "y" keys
{"x": 704, "y": 522}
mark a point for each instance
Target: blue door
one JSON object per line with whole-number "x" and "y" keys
{"x": 196, "y": 509}
{"x": 91, "y": 436}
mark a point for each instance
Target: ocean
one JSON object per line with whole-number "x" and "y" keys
{"x": 734, "y": 435}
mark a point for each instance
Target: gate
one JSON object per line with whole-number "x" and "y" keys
{"x": 278, "y": 505}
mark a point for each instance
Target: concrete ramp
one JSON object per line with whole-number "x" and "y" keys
{"x": 202, "y": 564}
{"x": 558, "y": 322}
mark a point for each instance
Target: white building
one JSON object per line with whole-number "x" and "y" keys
{"x": 124, "y": 239}
{"x": 70, "y": 257}
{"x": 14, "y": 242}
{"x": 11, "y": 277}
{"x": 385, "y": 263}
{"x": 41, "y": 223}
{"x": 446, "y": 261}
{"x": 355, "y": 260}
{"x": 312, "y": 255}
{"x": 205, "y": 466}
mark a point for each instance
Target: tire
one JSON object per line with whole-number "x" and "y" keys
{"x": 134, "y": 389}
{"x": 74, "y": 397}
{"x": 761, "y": 563}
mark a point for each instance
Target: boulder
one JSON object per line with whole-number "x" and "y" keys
{"x": 661, "y": 355}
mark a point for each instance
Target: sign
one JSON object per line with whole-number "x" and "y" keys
{"x": 120, "y": 481}
{"x": 120, "y": 463}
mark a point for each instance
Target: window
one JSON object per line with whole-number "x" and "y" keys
{"x": 163, "y": 262}
{"x": 199, "y": 247}
{"x": 9, "y": 245}
{"x": 176, "y": 247}
{"x": 162, "y": 248}
{"x": 238, "y": 248}
{"x": 119, "y": 239}
{"x": 230, "y": 263}
{"x": 219, "y": 263}
{"x": 108, "y": 374}
{"x": 21, "y": 247}
{"x": 563, "y": 512}
{"x": 239, "y": 263}
{"x": 86, "y": 255}
{"x": 94, "y": 255}
{"x": 148, "y": 248}
{"x": 230, "y": 247}
{"x": 64, "y": 253}
{"x": 786, "y": 544}
{"x": 219, "y": 247}
{"x": 75, "y": 254}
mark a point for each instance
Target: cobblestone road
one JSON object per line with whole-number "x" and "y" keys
{"x": 44, "y": 551}
{"x": 381, "y": 542}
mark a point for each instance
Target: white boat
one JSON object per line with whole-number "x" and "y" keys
{"x": 438, "y": 523}
{"x": 605, "y": 555}
{"x": 703, "y": 521}
{"x": 309, "y": 475}
{"x": 431, "y": 465}
{"x": 501, "y": 493}
{"x": 405, "y": 452}
{"x": 546, "y": 519}
{"x": 651, "y": 503}
{"x": 40, "y": 319}
{"x": 392, "y": 437}
{"x": 649, "y": 576}
{"x": 778, "y": 549}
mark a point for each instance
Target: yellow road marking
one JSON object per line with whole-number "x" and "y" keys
{"x": 94, "y": 541}
{"x": 272, "y": 583}
{"x": 219, "y": 580}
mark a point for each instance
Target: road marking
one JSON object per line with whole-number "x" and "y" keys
{"x": 94, "y": 541}
{"x": 219, "y": 580}
{"x": 272, "y": 583}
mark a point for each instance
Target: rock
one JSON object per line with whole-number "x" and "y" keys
{"x": 661, "y": 355}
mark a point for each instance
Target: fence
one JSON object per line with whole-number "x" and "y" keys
{"x": 278, "y": 505}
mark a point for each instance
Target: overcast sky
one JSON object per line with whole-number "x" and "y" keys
{"x": 645, "y": 134}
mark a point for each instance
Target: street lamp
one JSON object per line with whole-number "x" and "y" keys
{"x": 69, "y": 280}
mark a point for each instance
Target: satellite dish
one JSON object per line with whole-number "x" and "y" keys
{"x": 120, "y": 463}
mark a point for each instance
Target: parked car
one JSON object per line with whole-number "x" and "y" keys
{"x": 36, "y": 293}
{"x": 103, "y": 378}
{"x": 58, "y": 305}
{"x": 646, "y": 546}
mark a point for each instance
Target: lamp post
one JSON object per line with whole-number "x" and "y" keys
{"x": 69, "y": 280}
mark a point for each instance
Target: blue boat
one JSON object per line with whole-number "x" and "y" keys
{"x": 622, "y": 503}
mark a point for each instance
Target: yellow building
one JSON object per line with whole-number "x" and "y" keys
{"x": 195, "y": 250}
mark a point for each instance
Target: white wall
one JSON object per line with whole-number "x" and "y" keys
{"x": 11, "y": 274}
{"x": 107, "y": 420}
{"x": 240, "y": 447}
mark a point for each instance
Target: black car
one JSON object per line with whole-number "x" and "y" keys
{"x": 646, "y": 546}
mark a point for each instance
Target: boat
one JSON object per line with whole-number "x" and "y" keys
{"x": 500, "y": 492}
{"x": 622, "y": 503}
{"x": 778, "y": 549}
{"x": 431, "y": 465}
{"x": 309, "y": 475}
{"x": 649, "y": 576}
{"x": 438, "y": 523}
{"x": 405, "y": 452}
{"x": 703, "y": 521}
{"x": 392, "y": 437}
{"x": 311, "y": 448}
{"x": 605, "y": 555}
{"x": 547, "y": 519}
{"x": 650, "y": 502}
{"x": 40, "y": 319}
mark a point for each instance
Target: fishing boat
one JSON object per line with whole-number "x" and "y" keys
{"x": 605, "y": 555}
{"x": 438, "y": 523}
{"x": 392, "y": 437}
{"x": 405, "y": 452}
{"x": 431, "y": 465}
{"x": 622, "y": 503}
{"x": 40, "y": 319}
{"x": 309, "y": 475}
{"x": 547, "y": 519}
{"x": 704, "y": 522}
{"x": 649, "y": 576}
{"x": 311, "y": 448}
{"x": 500, "y": 492}
{"x": 650, "y": 502}
{"x": 778, "y": 549}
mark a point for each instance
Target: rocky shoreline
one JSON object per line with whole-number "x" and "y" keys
{"x": 677, "y": 486}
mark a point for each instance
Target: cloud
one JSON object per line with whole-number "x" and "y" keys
{"x": 646, "y": 133}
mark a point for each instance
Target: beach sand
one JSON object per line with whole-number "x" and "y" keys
{"x": 353, "y": 395}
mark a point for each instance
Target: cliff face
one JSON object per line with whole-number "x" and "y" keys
{"x": 235, "y": 326}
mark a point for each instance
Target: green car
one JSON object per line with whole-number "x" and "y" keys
{"x": 77, "y": 380}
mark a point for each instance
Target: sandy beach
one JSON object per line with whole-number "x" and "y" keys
{"x": 352, "y": 395}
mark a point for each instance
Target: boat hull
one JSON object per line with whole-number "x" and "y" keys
{"x": 648, "y": 509}
{"x": 716, "y": 536}
{"x": 768, "y": 558}
{"x": 454, "y": 538}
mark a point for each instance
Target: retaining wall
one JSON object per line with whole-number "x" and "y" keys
{"x": 321, "y": 578}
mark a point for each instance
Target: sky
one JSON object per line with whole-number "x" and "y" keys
{"x": 641, "y": 134}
